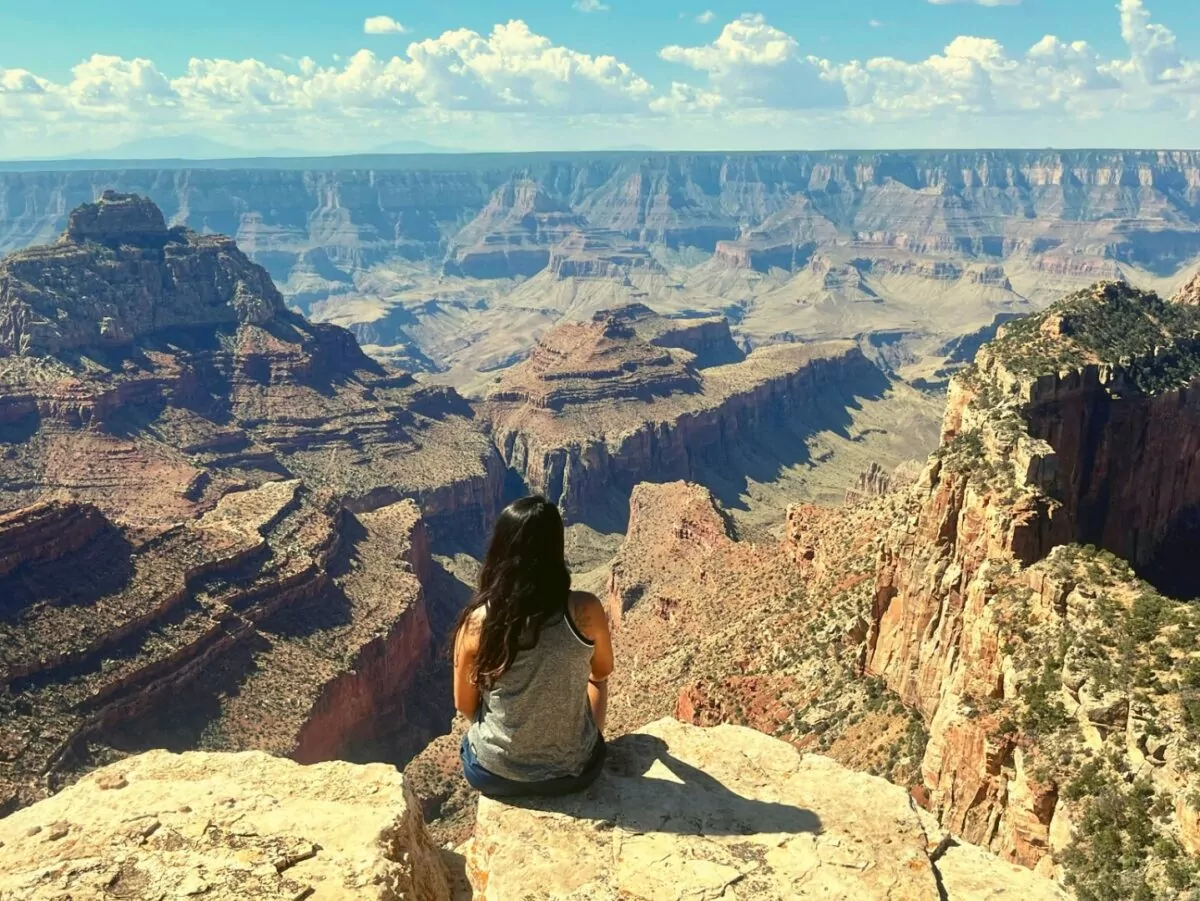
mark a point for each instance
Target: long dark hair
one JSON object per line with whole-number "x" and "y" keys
{"x": 524, "y": 582}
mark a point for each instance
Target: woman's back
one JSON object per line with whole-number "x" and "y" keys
{"x": 535, "y": 721}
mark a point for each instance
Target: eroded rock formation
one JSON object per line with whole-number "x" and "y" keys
{"x": 215, "y": 511}
{"x": 1053, "y": 695}
{"x": 225, "y": 827}
{"x": 255, "y": 626}
{"x": 150, "y": 377}
{"x": 1049, "y": 676}
{"x": 513, "y": 234}
{"x": 1190, "y": 293}
{"x": 605, "y": 405}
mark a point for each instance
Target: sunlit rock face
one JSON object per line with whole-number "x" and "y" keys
{"x": 193, "y": 481}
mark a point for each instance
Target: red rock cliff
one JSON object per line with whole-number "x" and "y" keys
{"x": 1065, "y": 430}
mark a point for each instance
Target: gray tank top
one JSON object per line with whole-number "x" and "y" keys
{"x": 535, "y": 722}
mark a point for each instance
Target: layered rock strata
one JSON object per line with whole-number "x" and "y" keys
{"x": 707, "y": 338}
{"x": 215, "y": 511}
{"x": 225, "y": 827}
{"x": 597, "y": 254}
{"x": 255, "y": 626}
{"x": 1049, "y": 675}
{"x": 1052, "y": 696}
{"x": 147, "y": 374}
{"x": 684, "y": 812}
{"x": 513, "y": 234}
{"x": 597, "y": 407}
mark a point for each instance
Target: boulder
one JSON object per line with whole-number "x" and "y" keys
{"x": 729, "y": 813}
{"x": 224, "y": 826}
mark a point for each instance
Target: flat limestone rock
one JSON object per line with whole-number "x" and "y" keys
{"x": 220, "y": 827}
{"x": 969, "y": 871}
{"x": 725, "y": 813}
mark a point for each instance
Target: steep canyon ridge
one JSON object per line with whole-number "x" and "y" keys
{"x": 224, "y": 527}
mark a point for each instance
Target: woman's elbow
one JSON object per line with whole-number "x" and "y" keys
{"x": 466, "y": 705}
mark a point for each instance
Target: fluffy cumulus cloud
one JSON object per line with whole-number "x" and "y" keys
{"x": 513, "y": 82}
{"x": 512, "y": 69}
{"x": 382, "y": 25}
{"x": 753, "y": 65}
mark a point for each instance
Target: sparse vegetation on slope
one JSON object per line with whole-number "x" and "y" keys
{"x": 1155, "y": 342}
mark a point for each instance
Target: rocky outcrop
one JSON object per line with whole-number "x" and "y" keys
{"x": 588, "y": 363}
{"x": 200, "y": 379}
{"x": 686, "y": 812}
{"x": 598, "y": 408}
{"x": 876, "y": 481}
{"x": 707, "y": 338}
{"x": 1190, "y": 293}
{"x": 990, "y": 618}
{"x": 188, "y": 514}
{"x": 118, "y": 274}
{"x": 46, "y": 531}
{"x": 513, "y": 234}
{"x": 596, "y": 253}
{"x": 225, "y": 827}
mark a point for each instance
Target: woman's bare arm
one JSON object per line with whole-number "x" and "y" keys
{"x": 466, "y": 646}
{"x": 592, "y": 620}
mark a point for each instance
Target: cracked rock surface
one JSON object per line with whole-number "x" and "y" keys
{"x": 727, "y": 813}
{"x": 223, "y": 827}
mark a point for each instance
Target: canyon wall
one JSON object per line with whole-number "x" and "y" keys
{"x": 1027, "y": 651}
{"x": 358, "y": 211}
{"x": 213, "y": 530}
{"x": 782, "y": 388}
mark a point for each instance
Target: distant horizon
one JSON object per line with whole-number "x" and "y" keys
{"x": 292, "y": 159}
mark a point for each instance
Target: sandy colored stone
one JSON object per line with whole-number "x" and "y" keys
{"x": 224, "y": 826}
{"x": 969, "y": 871}
{"x": 688, "y": 813}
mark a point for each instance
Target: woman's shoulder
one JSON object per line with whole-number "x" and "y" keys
{"x": 472, "y": 624}
{"x": 586, "y": 610}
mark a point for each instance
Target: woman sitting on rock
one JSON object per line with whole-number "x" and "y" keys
{"x": 531, "y": 658}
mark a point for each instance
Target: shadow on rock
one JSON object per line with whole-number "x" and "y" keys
{"x": 646, "y": 789}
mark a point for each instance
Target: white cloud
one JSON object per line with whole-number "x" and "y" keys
{"x": 752, "y": 63}
{"x": 591, "y": 6}
{"x": 875, "y": 23}
{"x": 753, "y": 82}
{"x": 755, "y": 65}
{"x": 382, "y": 25}
{"x": 706, "y": 17}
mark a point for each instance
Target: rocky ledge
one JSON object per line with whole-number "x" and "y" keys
{"x": 224, "y": 827}
{"x": 680, "y": 812}
{"x": 683, "y": 812}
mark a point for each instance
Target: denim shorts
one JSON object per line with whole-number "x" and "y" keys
{"x": 493, "y": 786}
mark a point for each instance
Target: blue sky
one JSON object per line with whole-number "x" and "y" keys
{"x": 305, "y": 74}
